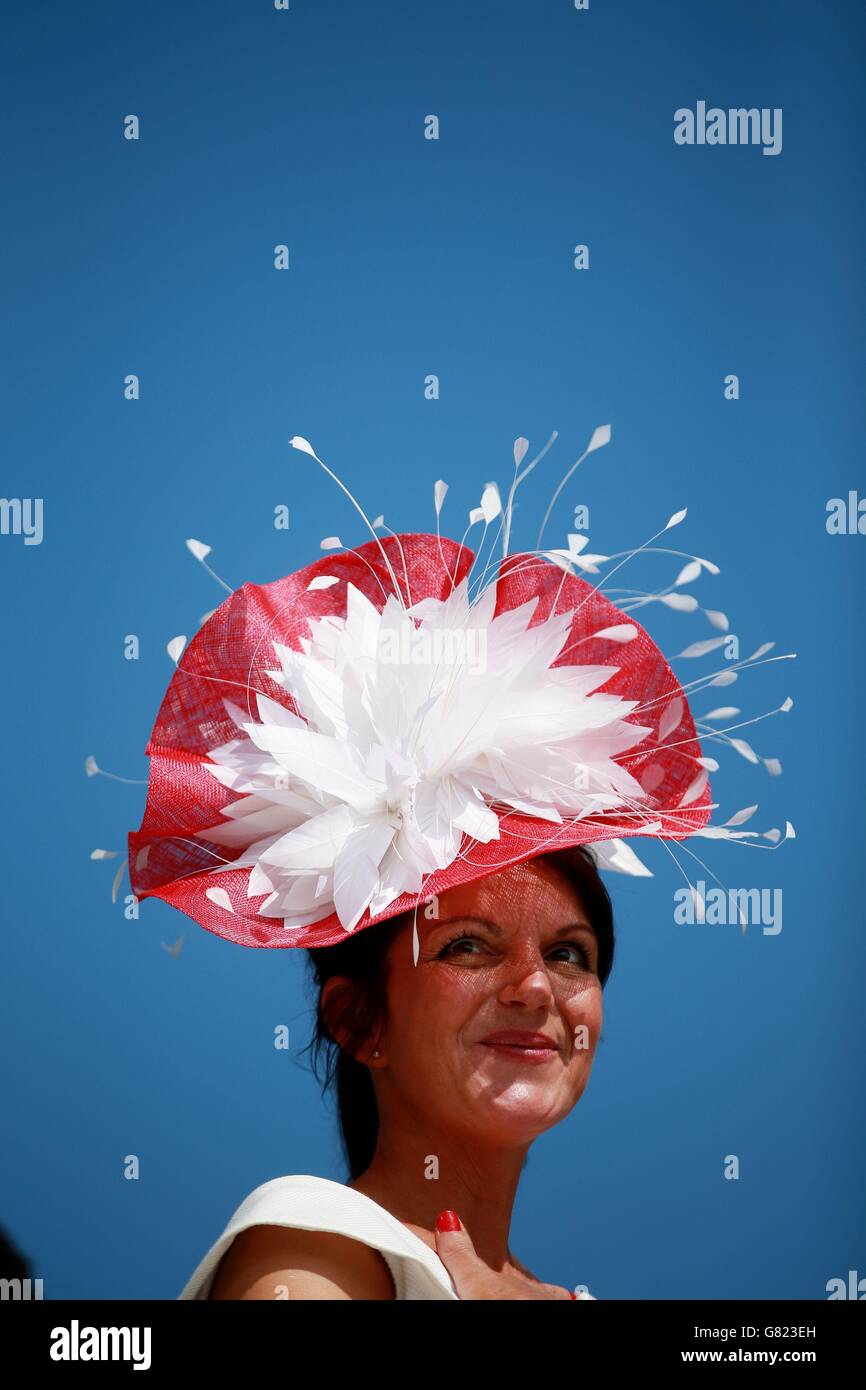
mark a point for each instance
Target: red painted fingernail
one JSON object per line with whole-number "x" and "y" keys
{"x": 447, "y": 1221}
{"x": 573, "y": 1294}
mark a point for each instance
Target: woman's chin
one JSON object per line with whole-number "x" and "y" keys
{"x": 515, "y": 1111}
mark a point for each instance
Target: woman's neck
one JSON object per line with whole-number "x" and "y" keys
{"x": 478, "y": 1183}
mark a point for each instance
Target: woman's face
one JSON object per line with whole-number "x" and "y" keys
{"x": 513, "y": 951}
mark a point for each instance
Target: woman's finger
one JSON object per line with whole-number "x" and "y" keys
{"x": 457, "y": 1253}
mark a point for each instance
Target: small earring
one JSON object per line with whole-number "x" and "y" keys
{"x": 376, "y": 1052}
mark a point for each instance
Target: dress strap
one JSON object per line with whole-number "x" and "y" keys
{"x": 318, "y": 1204}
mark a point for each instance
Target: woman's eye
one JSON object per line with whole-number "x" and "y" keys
{"x": 579, "y": 954}
{"x": 453, "y": 947}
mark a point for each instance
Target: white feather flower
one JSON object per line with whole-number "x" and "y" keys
{"x": 412, "y": 725}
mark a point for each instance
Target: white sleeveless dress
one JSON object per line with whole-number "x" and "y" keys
{"x": 318, "y": 1204}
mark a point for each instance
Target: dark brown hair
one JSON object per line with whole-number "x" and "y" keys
{"x": 360, "y": 1008}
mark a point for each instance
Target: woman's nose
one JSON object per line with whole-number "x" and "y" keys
{"x": 526, "y": 984}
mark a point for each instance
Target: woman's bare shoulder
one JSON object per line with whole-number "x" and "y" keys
{"x": 286, "y": 1262}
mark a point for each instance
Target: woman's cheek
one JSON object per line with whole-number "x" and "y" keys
{"x": 583, "y": 1013}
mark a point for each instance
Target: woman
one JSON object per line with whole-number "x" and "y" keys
{"x": 417, "y": 746}
{"x": 437, "y": 1105}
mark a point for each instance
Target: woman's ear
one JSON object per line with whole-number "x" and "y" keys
{"x": 334, "y": 1001}
{"x": 337, "y": 996}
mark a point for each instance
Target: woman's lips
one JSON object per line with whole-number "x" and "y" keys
{"x": 523, "y": 1054}
{"x": 525, "y": 1047}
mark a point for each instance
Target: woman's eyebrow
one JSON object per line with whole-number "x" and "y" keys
{"x": 497, "y": 930}
{"x": 575, "y": 926}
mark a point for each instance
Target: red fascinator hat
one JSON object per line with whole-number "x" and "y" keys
{"x": 342, "y": 744}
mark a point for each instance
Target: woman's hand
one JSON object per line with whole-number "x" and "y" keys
{"x": 473, "y": 1279}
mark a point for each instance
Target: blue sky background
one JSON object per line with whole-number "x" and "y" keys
{"x": 411, "y": 257}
